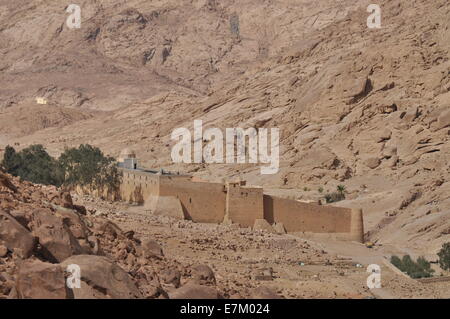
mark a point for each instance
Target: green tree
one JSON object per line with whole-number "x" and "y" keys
{"x": 444, "y": 256}
{"x": 341, "y": 190}
{"x": 396, "y": 261}
{"x": 33, "y": 164}
{"x": 415, "y": 269}
{"x": 37, "y": 166}
{"x": 88, "y": 166}
{"x": 11, "y": 160}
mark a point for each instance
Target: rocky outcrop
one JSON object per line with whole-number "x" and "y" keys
{"x": 15, "y": 237}
{"x": 55, "y": 237}
{"x": 37, "y": 279}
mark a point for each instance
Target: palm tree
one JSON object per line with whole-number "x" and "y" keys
{"x": 341, "y": 189}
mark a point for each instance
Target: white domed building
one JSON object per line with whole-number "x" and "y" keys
{"x": 127, "y": 159}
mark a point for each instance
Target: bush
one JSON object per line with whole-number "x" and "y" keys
{"x": 444, "y": 256}
{"x": 334, "y": 197}
{"x": 419, "y": 269}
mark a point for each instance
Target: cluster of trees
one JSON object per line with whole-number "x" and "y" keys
{"x": 83, "y": 166}
{"x": 415, "y": 269}
{"x": 444, "y": 256}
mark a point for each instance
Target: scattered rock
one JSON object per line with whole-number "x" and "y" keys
{"x": 262, "y": 224}
{"x": 170, "y": 277}
{"x": 203, "y": 275}
{"x": 264, "y": 292}
{"x": 264, "y": 274}
{"x": 152, "y": 249}
{"x": 3, "y": 251}
{"x": 279, "y": 228}
{"x": 111, "y": 229}
{"x": 194, "y": 291}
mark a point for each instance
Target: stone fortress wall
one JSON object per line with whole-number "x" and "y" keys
{"x": 182, "y": 197}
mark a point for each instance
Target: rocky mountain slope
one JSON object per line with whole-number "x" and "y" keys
{"x": 366, "y": 108}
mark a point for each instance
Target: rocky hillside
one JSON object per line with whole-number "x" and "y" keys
{"x": 123, "y": 252}
{"x": 43, "y": 233}
{"x": 366, "y": 108}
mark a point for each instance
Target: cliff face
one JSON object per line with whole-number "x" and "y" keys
{"x": 366, "y": 108}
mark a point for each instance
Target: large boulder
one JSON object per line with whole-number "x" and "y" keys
{"x": 55, "y": 237}
{"x": 23, "y": 216}
{"x": 65, "y": 199}
{"x": 40, "y": 280}
{"x": 6, "y": 183}
{"x": 75, "y": 223}
{"x": 194, "y": 291}
{"x": 15, "y": 236}
{"x": 102, "y": 278}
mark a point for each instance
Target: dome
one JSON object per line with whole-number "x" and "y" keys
{"x": 126, "y": 153}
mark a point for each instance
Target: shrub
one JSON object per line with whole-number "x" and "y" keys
{"x": 444, "y": 256}
{"x": 334, "y": 197}
{"x": 419, "y": 269}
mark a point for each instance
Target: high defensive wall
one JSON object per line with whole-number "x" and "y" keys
{"x": 182, "y": 197}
